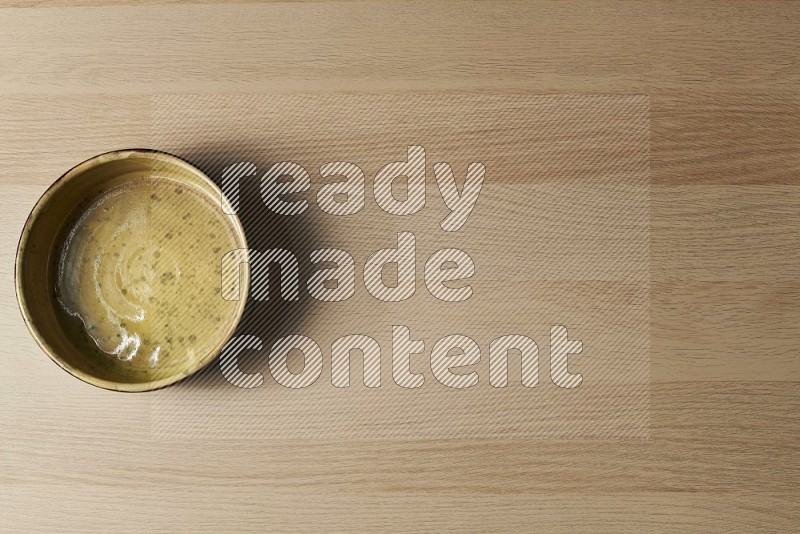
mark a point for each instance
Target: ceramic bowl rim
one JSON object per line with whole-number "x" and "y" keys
{"x": 40, "y": 338}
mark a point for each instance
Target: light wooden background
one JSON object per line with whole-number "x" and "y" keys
{"x": 76, "y": 79}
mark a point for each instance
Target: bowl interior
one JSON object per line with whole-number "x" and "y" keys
{"x": 38, "y": 256}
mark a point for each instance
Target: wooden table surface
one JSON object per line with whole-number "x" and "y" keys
{"x": 78, "y": 77}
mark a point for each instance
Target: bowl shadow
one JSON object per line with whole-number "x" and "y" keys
{"x": 264, "y": 229}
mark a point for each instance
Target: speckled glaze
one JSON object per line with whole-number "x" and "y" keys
{"x": 123, "y": 235}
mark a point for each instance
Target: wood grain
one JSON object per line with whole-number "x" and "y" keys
{"x": 76, "y": 79}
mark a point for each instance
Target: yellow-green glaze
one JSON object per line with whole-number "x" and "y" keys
{"x": 118, "y": 270}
